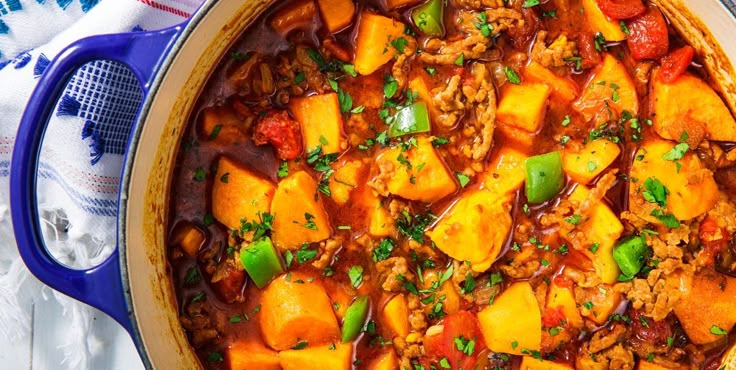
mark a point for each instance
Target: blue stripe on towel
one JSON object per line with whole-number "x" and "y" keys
{"x": 4, "y": 29}
{"x": 14, "y": 5}
{"x": 63, "y": 3}
{"x": 88, "y": 4}
{"x": 68, "y": 106}
{"x": 41, "y": 65}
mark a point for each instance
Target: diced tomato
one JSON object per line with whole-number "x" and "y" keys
{"x": 462, "y": 328}
{"x": 713, "y": 237}
{"x": 278, "y": 129}
{"x": 648, "y": 36}
{"x": 230, "y": 285}
{"x": 676, "y": 62}
{"x": 553, "y": 317}
{"x": 433, "y": 345}
{"x": 241, "y": 108}
{"x": 621, "y": 9}
{"x": 589, "y": 57}
{"x": 562, "y": 281}
{"x": 523, "y": 34}
{"x": 654, "y": 332}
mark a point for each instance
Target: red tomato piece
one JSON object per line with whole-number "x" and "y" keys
{"x": 278, "y": 129}
{"x": 622, "y": 9}
{"x": 648, "y": 330}
{"x": 554, "y": 317}
{"x": 462, "y": 331}
{"x": 676, "y": 62}
{"x": 713, "y": 238}
{"x": 648, "y": 36}
{"x": 589, "y": 57}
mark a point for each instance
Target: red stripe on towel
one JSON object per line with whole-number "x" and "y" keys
{"x": 165, "y": 8}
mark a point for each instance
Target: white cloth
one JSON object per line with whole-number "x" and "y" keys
{"x": 81, "y": 157}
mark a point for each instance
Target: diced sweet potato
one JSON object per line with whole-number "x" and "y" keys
{"x": 560, "y": 297}
{"x": 563, "y": 87}
{"x": 230, "y": 126}
{"x": 321, "y": 122}
{"x": 245, "y": 355}
{"x": 709, "y": 305}
{"x": 522, "y": 139}
{"x": 609, "y": 90}
{"x": 318, "y": 358}
{"x": 373, "y": 46}
{"x": 688, "y": 98}
{"x": 692, "y": 189}
{"x": 380, "y": 223}
{"x": 474, "y": 229}
{"x": 386, "y": 361}
{"x": 295, "y": 15}
{"x": 395, "y": 316}
{"x": 592, "y": 159}
{"x": 188, "y": 237}
{"x": 605, "y": 301}
{"x": 531, "y": 363}
{"x": 646, "y": 365}
{"x": 599, "y": 22}
{"x": 299, "y": 215}
{"x": 523, "y": 106}
{"x": 295, "y": 309}
{"x": 451, "y": 302}
{"x": 604, "y": 228}
{"x": 243, "y": 197}
{"x": 505, "y": 172}
{"x": 424, "y": 178}
{"x": 341, "y": 296}
{"x": 337, "y": 14}
{"x": 344, "y": 180}
{"x": 513, "y": 322}
{"x": 367, "y": 91}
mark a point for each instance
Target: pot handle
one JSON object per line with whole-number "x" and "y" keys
{"x": 100, "y": 286}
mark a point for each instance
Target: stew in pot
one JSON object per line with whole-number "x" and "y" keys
{"x": 463, "y": 184}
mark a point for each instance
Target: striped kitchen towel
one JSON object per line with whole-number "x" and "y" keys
{"x": 81, "y": 156}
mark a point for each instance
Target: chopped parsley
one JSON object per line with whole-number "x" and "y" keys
{"x": 463, "y": 179}
{"x": 677, "y": 152}
{"x": 259, "y": 227}
{"x": 511, "y": 75}
{"x": 383, "y": 250}
{"x": 283, "y": 170}
{"x": 460, "y": 59}
{"x": 200, "y": 174}
{"x": 530, "y": 3}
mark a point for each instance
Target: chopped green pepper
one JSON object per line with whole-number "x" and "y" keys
{"x": 261, "y": 261}
{"x": 630, "y": 255}
{"x": 410, "y": 120}
{"x": 429, "y": 17}
{"x": 354, "y": 317}
{"x": 544, "y": 177}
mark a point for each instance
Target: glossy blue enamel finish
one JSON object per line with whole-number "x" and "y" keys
{"x": 100, "y": 286}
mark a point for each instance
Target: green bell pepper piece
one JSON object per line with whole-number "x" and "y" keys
{"x": 630, "y": 254}
{"x": 544, "y": 177}
{"x": 355, "y": 316}
{"x": 429, "y": 17}
{"x": 410, "y": 120}
{"x": 261, "y": 261}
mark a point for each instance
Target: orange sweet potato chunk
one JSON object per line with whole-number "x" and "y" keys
{"x": 710, "y": 302}
{"x": 531, "y": 363}
{"x": 609, "y": 90}
{"x": 320, "y": 120}
{"x": 299, "y": 215}
{"x": 514, "y": 318}
{"x": 295, "y": 309}
{"x": 386, "y": 361}
{"x": 474, "y": 229}
{"x": 692, "y": 188}
{"x": 243, "y": 197}
{"x": 590, "y": 161}
{"x": 395, "y": 316}
{"x": 523, "y": 106}
{"x": 245, "y": 355}
{"x": 425, "y": 178}
{"x": 689, "y": 99}
{"x": 563, "y": 87}
{"x": 393, "y": 4}
{"x": 221, "y": 125}
{"x": 373, "y": 44}
{"x": 318, "y": 358}
{"x": 337, "y": 14}
{"x": 189, "y": 238}
{"x": 599, "y": 22}
{"x": 506, "y": 171}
